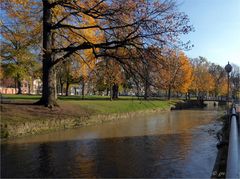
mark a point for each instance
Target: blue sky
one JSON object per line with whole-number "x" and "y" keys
{"x": 217, "y": 29}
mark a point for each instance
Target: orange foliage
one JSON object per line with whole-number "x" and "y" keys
{"x": 202, "y": 80}
{"x": 177, "y": 72}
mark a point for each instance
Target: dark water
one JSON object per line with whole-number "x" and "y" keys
{"x": 169, "y": 144}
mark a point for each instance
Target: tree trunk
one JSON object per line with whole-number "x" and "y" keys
{"x": 49, "y": 86}
{"x": 61, "y": 88}
{"x": 83, "y": 88}
{"x": 29, "y": 87}
{"x": 138, "y": 91}
{"x": 60, "y": 85}
{"x": 49, "y": 82}
{"x": 146, "y": 90}
{"x": 111, "y": 91}
{"x": 55, "y": 84}
{"x": 187, "y": 96}
{"x": 169, "y": 92}
{"x": 19, "y": 86}
{"x": 32, "y": 88}
{"x": 75, "y": 91}
{"x": 15, "y": 84}
{"x": 67, "y": 88}
{"x": 115, "y": 91}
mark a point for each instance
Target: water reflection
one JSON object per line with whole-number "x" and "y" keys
{"x": 174, "y": 144}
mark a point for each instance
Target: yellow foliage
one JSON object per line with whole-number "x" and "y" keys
{"x": 202, "y": 80}
{"x": 176, "y": 72}
{"x": 224, "y": 87}
{"x": 186, "y": 73}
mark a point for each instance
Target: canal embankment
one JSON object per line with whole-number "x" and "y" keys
{"x": 226, "y": 165}
{"x": 189, "y": 104}
{"x": 19, "y": 117}
{"x": 219, "y": 169}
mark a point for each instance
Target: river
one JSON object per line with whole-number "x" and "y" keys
{"x": 166, "y": 144}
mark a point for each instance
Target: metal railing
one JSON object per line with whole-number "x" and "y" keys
{"x": 233, "y": 147}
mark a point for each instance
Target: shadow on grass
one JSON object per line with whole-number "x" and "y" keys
{"x": 79, "y": 98}
{"x": 18, "y": 103}
{"x": 107, "y": 98}
{"x": 32, "y": 99}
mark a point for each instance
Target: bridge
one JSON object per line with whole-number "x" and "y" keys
{"x": 217, "y": 99}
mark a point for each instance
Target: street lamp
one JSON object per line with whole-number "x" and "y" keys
{"x": 228, "y": 69}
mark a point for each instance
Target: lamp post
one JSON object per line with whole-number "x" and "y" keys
{"x": 228, "y": 69}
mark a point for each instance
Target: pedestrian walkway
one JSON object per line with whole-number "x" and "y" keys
{"x": 238, "y": 112}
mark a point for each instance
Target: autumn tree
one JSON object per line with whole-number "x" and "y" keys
{"x": 123, "y": 23}
{"x": 117, "y": 23}
{"x": 223, "y": 90}
{"x": 61, "y": 78}
{"x": 19, "y": 41}
{"x": 148, "y": 71}
{"x": 235, "y": 80}
{"x": 64, "y": 76}
{"x": 185, "y": 74}
{"x": 203, "y": 82}
{"x": 219, "y": 79}
{"x": 176, "y": 73}
{"x": 109, "y": 76}
{"x": 87, "y": 63}
{"x": 1, "y": 72}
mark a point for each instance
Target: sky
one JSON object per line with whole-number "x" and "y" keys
{"x": 217, "y": 29}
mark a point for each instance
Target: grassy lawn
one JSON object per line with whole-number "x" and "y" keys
{"x": 120, "y": 106}
{"x": 97, "y": 104}
{"x": 65, "y": 98}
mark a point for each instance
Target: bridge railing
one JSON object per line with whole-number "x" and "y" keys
{"x": 232, "y": 170}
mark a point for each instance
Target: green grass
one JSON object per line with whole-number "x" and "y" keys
{"x": 102, "y": 104}
{"x": 121, "y": 106}
{"x": 65, "y": 98}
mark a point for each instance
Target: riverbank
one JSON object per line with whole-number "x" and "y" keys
{"x": 189, "y": 104}
{"x": 219, "y": 170}
{"x": 19, "y": 117}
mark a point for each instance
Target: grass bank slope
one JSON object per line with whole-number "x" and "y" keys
{"x": 20, "y": 117}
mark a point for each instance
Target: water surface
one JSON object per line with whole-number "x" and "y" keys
{"x": 167, "y": 144}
